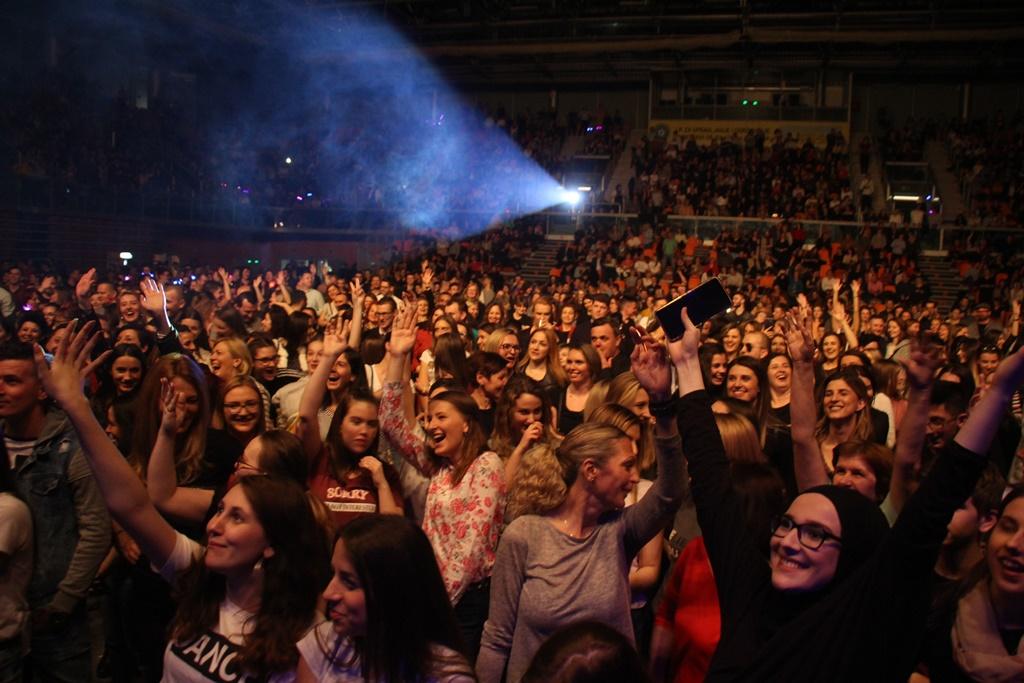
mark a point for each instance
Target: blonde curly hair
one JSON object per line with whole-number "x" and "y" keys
{"x": 546, "y": 474}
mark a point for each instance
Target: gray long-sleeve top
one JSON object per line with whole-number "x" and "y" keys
{"x": 544, "y": 579}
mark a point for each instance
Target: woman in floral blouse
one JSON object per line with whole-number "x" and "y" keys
{"x": 466, "y": 495}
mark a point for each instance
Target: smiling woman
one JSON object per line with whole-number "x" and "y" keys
{"x": 842, "y": 598}
{"x": 584, "y": 529}
{"x": 249, "y": 592}
{"x": 388, "y": 614}
{"x": 466, "y": 495}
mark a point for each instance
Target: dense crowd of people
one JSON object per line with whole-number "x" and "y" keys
{"x": 749, "y": 174}
{"x": 440, "y": 471}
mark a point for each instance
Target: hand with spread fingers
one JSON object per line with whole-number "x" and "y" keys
{"x": 64, "y": 377}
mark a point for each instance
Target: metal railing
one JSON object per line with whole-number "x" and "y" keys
{"x": 43, "y": 196}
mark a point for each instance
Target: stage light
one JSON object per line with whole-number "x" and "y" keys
{"x": 287, "y": 160}
{"x": 745, "y": 102}
{"x": 571, "y": 197}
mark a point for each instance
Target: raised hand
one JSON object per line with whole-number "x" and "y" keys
{"x": 172, "y": 409}
{"x": 403, "y": 332}
{"x": 855, "y": 287}
{"x": 838, "y": 311}
{"x": 649, "y": 363}
{"x": 85, "y": 284}
{"x": 801, "y": 300}
{"x": 336, "y": 337}
{"x": 64, "y": 377}
{"x": 921, "y": 364}
{"x": 375, "y": 467}
{"x": 152, "y": 297}
{"x": 799, "y": 337}
{"x": 356, "y": 289}
{"x": 531, "y": 435}
{"x": 685, "y": 348}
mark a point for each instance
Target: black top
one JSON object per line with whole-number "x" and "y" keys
{"x": 865, "y": 628}
{"x": 567, "y": 419}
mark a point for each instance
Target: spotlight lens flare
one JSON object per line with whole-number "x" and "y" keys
{"x": 571, "y": 197}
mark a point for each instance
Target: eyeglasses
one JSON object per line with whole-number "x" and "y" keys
{"x": 509, "y": 347}
{"x": 247, "y": 405}
{"x": 811, "y": 536}
{"x": 243, "y": 465}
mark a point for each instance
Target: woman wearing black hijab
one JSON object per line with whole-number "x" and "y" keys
{"x": 842, "y": 598}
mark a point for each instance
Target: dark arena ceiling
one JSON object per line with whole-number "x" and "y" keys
{"x": 498, "y": 43}
{"x": 584, "y": 41}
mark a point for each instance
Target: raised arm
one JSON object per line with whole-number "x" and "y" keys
{"x": 983, "y": 421}
{"x": 531, "y": 435}
{"x": 282, "y": 284}
{"x": 358, "y": 297}
{"x": 83, "y": 289}
{"x": 122, "y": 490}
{"x": 182, "y": 502}
{"x": 308, "y": 427}
{"x": 839, "y": 324}
{"x": 154, "y": 300}
{"x": 920, "y": 529}
{"x": 649, "y": 363}
{"x": 394, "y": 421}
{"x": 855, "y": 289}
{"x": 733, "y": 554}
{"x": 807, "y": 463}
{"x": 920, "y": 368}
{"x": 226, "y": 282}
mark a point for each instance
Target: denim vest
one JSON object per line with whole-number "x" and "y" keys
{"x": 42, "y": 482}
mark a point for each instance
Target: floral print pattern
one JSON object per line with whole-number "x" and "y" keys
{"x": 462, "y": 521}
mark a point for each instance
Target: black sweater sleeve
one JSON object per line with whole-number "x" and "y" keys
{"x": 917, "y": 535}
{"x": 739, "y": 569}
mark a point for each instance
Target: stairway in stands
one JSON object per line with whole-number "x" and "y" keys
{"x": 537, "y": 266}
{"x": 943, "y": 278}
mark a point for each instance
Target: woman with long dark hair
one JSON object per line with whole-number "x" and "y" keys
{"x": 345, "y": 472}
{"x": 389, "y": 618}
{"x": 466, "y": 496}
{"x": 250, "y": 589}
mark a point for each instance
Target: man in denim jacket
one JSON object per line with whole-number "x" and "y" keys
{"x": 71, "y": 525}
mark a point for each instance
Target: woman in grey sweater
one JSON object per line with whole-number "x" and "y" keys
{"x": 571, "y": 562}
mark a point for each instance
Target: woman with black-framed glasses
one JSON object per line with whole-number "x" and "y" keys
{"x": 842, "y": 597}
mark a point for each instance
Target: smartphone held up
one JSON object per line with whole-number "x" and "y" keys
{"x": 701, "y": 303}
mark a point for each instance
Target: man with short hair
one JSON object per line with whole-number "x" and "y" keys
{"x": 176, "y": 303}
{"x": 71, "y": 525}
{"x": 982, "y": 321}
{"x": 542, "y": 312}
{"x": 314, "y": 299}
{"x": 607, "y": 341}
{"x": 248, "y": 309}
{"x": 755, "y": 344}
